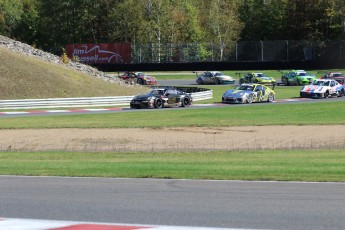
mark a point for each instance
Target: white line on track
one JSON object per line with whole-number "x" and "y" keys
{"x": 34, "y": 224}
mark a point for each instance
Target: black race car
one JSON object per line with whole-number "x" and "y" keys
{"x": 160, "y": 97}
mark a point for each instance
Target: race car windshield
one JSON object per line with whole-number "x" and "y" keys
{"x": 261, "y": 75}
{"x": 156, "y": 92}
{"x": 246, "y": 87}
{"x": 326, "y": 83}
{"x": 219, "y": 74}
{"x": 318, "y": 83}
{"x": 337, "y": 75}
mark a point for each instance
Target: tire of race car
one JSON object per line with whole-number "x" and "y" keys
{"x": 199, "y": 81}
{"x": 341, "y": 93}
{"x": 140, "y": 81}
{"x": 270, "y": 97}
{"x": 250, "y": 99}
{"x": 185, "y": 102}
{"x": 326, "y": 95}
{"x": 158, "y": 103}
{"x": 285, "y": 81}
{"x": 217, "y": 81}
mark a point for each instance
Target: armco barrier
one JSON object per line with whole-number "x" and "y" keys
{"x": 82, "y": 102}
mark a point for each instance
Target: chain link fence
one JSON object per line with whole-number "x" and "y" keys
{"x": 243, "y": 51}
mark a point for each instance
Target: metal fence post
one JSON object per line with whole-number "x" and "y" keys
{"x": 262, "y": 50}
{"x": 287, "y": 50}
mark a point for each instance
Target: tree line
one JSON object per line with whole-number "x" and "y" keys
{"x": 51, "y": 24}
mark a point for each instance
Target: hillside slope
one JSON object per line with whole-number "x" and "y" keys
{"x": 26, "y": 77}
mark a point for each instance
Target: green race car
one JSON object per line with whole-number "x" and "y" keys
{"x": 297, "y": 77}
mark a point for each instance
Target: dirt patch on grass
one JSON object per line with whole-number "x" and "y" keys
{"x": 175, "y": 139}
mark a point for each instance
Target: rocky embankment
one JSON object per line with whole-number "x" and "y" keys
{"x": 31, "y": 51}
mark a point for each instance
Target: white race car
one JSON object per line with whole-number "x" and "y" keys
{"x": 214, "y": 77}
{"x": 323, "y": 88}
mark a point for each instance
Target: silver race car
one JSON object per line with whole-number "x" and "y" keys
{"x": 248, "y": 93}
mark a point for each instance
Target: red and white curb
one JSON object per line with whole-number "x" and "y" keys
{"x": 31, "y": 224}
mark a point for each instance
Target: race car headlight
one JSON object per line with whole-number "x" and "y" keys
{"x": 225, "y": 94}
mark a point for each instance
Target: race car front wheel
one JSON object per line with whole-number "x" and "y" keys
{"x": 250, "y": 99}
{"x": 286, "y": 81}
{"x": 158, "y": 103}
{"x": 185, "y": 102}
{"x": 326, "y": 95}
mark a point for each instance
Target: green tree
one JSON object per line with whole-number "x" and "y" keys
{"x": 308, "y": 19}
{"x": 186, "y": 25}
{"x": 263, "y": 19}
{"x": 126, "y": 20}
{"x": 10, "y": 15}
{"x": 336, "y": 14}
{"x": 27, "y": 28}
{"x": 223, "y": 26}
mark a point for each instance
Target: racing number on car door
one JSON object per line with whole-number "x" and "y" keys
{"x": 260, "y": 92}
{"x": 171, "y": 100}
{"x": 333, "y": 88}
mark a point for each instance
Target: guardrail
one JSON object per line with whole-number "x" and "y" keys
{"x": 82, "y": 102}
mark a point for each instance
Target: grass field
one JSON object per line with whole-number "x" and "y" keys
{"x": 287, "y": 165}
{"x": 290, "y": 165}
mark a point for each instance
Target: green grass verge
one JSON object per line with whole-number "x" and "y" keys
{"x": 323, "y": 113}
{"x": 287, "y": 165}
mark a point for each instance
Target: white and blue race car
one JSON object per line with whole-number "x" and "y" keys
{"x": 323, "y": 88}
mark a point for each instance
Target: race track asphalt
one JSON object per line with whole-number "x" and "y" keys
{"x": 228, "y": 204}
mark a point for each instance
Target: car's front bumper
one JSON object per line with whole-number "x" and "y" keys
{"x": 232, "y": 100}
{"x": 151, "y": 82}
{"x": 140, "y": 104}
{"x": 312, "y": 94}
